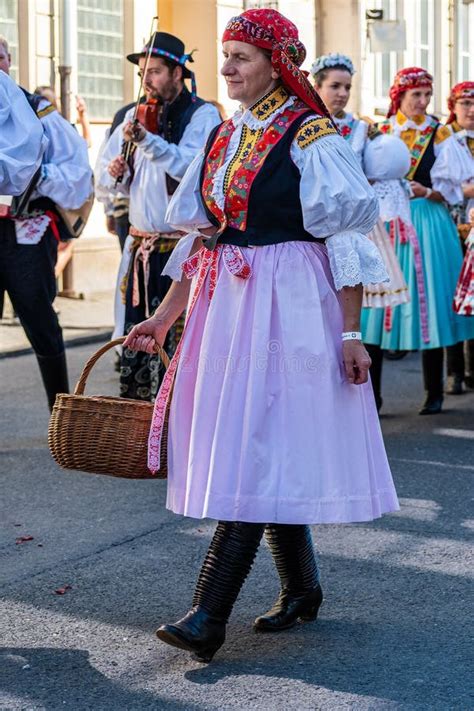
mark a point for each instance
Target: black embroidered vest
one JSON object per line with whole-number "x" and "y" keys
{"x": 423, "y": 172}
{"x": 274, "y": 208}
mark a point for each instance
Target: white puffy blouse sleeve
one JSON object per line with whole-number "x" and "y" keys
{"x": 22, "y": 140}
{"x": 186, "y": 213}
{"x": 451, "y": 168}
{"x": 338, "y": 204}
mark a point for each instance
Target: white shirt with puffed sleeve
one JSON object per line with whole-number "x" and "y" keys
{"x": 66, "y": 176}
{"x": 22, "y": 140}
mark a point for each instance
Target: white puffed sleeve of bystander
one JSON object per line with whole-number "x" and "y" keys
{"x": 451, "y": 169}
{"x": 186, "y": 214}
{"x": 22, "y": 141}
{"x": 339, "y": 204}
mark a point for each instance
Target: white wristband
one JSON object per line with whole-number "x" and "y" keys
{"x": 352, "y": 336}
{"x": 428, "y": 193}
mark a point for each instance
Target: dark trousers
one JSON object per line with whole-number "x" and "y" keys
{"x": 140, "y": 373}
{"x": 27, "y": 275}
{"x": 460, "y": 359}
{"x": 122, "y": 228}
{"x": 433, "y": 368}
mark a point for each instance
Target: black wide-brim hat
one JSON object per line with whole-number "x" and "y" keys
{"x": 166, "y": 46}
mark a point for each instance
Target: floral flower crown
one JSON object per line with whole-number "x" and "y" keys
{"x": 329, "y": 61}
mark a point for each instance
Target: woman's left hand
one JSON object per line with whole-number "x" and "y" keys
{"x": 356, "y": 362}
{"x": 418, "y": 189}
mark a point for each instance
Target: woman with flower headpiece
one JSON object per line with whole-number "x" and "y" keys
{"x": 437, "y": 171}
{"x": 385, "y": 161}
{"x": 272, "y": 421}
{"x": 461, "y": 122}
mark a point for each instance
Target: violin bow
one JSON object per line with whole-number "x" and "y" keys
{"x": 128, "y": 145}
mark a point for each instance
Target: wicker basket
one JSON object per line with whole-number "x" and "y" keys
{"x": 104, "y": 435}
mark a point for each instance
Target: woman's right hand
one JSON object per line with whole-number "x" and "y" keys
{"x": 146, "y": 335}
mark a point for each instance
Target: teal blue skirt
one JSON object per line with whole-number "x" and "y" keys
{"x": 441, "y": 257}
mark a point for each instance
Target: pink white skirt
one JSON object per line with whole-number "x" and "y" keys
{"x": 264, "y": 426}
{"x": 394, "y": 292}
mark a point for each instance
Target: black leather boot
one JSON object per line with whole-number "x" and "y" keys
{"x": 469, "y": 364}
{"x": 54, "y": 374}
{"x": 455, "y": 369}
{"x": 376, "y": 356}
{"x": 225, "y": 568}
{"x": 300, "y": 595}
{"x": 432, "y": 360}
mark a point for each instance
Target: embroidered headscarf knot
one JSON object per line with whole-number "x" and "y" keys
{"x": 405, "y": 79}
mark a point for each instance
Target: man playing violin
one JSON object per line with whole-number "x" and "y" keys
{"x": 171, "y": 129}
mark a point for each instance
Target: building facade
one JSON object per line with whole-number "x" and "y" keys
{"x": 439, "y": 35}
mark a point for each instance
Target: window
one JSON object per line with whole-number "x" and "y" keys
{"x": 424, "y": 35}
{"x": 385, "y": 63}
{"x": 465, "y": 37}
{"x": 9, "y": 29}
{"x": 100, "y": 56}
{"x": 250, "y": 4}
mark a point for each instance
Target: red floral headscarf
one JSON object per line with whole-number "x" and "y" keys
{"x": 464, "y": 90}
{"x": 409, "y": 78}
{"x": 269, "y": 29}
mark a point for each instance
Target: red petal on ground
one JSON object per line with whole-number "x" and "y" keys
{"x": 63, "y": 590}
{"x": 24, "y": 539}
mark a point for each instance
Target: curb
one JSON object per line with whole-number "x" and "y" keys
{"x": 69, "y": 343}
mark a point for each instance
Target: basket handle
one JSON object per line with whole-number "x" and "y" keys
{"x": 81, "y": 383}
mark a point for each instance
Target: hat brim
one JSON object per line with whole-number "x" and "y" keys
{"x": 133, "y": 58}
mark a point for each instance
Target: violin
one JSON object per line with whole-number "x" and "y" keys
{"x": 148, "y": 115}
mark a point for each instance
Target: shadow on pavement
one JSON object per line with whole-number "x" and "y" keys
{"x": 65, "y": 678}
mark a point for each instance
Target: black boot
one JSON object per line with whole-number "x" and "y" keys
{"x": 227, "y": 564}
{"x": 469, "y": 363}
{"x": 300, "y": 595}
{"x": 376, "y": 356}
{"x": 432, "y": 360}
{"x": 54, "y": 374}
{"x": 455, "y": 369}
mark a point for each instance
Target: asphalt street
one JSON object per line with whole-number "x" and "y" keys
{"x": 394, "y": 631}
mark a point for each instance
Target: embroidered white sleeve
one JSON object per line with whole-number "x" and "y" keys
{"x": 355, "y": 259}
{"x": 339, "y": 204}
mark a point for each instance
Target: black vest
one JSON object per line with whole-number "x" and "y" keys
{"x": 174, "y": 119}
{"x": 274, "y": 207}
{"x": 423, "y": 172}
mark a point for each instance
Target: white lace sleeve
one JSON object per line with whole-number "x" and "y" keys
{"x": 339, "y": 204}
{"x": 451, "y": 168}
{"x": 355, "y": 259}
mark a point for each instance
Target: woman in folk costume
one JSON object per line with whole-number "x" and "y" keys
{"x": 438, "y": 168}
{"x": 272, "y": 423}
{"x": 461, "y": 122}
{"x": 385, "y": 161}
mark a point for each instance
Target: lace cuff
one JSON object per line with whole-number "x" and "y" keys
{"x": 354, "y": 259}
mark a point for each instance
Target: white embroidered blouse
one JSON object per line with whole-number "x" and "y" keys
{"x": 451, "y": 167}
{"x": 337, "y": 202}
